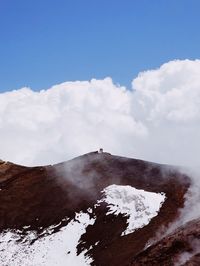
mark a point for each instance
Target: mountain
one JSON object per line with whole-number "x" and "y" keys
{"x": 97, "y": 209}
{"x": 181, "y": 247}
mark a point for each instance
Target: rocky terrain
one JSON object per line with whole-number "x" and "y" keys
{"x": 181, "y": 247}
{"x": 97, "y": 209}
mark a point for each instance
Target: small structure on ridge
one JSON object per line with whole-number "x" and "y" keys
{"x": 100, "y": 150}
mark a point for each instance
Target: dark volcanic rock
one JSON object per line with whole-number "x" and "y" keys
{"x": 43, "y": 196}
{"x": 181, "y": 247}
{"x": 193, "y": 261}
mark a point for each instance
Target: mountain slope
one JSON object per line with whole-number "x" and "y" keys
{"x": 34, "y": 199}
{"x": 181, "y": 247}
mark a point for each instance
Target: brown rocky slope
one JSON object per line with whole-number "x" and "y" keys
{"x": 44, "y": 196}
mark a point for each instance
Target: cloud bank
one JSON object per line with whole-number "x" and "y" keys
{"x": 157, "y": 120}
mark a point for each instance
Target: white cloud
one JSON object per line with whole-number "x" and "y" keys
{"x": 67, "y": 120}
{"x": 172, "y": 92}
{"x": 168, "y": 104}
{"x": 158, "y": 120}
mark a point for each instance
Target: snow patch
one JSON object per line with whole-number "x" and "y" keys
{"x": 58, "y": 249}
{"x": 138, "y": 205}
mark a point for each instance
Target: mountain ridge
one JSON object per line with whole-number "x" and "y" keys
{"x": 44, "y": 196}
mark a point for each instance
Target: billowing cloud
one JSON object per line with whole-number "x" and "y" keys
{"x": 157, "y": 120}
{"x": 66, "y": 120}
{"x": 168, "y": 104}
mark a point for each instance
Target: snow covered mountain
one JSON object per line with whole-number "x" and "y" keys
{"x": 97, "y": 209}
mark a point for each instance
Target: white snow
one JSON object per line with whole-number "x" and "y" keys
{"x": 89, "y": 210}
{"x": 51, "y": 250}
{"x": 138, "y": 205}
{"x": 60, "y": 249}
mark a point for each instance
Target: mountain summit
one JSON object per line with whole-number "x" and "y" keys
{"x": 96, "y": 209}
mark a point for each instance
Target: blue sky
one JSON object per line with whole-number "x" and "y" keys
{"x": 45, "y": 42}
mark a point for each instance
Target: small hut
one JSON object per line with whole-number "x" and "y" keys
{"x": 100, "y": 150}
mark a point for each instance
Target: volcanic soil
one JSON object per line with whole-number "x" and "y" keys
{"x": 43, "y": 196}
